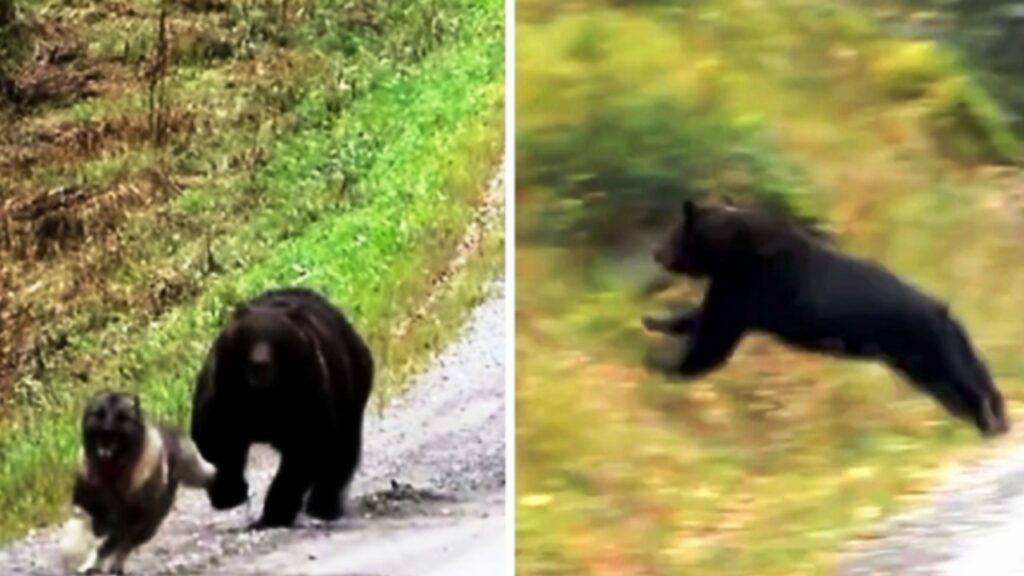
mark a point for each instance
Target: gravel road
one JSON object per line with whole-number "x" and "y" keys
{"x": 428, "y": 497}
{"x": 971, "y": 525}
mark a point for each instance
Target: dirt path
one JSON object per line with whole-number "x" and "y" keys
{"x": 972, "y": 524}
{"x": 460, "y": 539}
{"x": 430, "y": 487}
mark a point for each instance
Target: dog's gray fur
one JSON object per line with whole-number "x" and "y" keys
{"x": 126, "y": 482}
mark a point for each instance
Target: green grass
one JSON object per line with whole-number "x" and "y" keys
{"x": 205, "y": 193}
{"x": 772, "y": 464}
{"x": 422, "y": 144}
{"x": 769, "y": 465}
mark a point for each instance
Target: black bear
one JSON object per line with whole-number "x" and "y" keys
{"x": 289, "y": 370}
{"x": 769, "y": 275}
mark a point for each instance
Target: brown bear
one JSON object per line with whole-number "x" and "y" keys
{"x": 289, "y": 370}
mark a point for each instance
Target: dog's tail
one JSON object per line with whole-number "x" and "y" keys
{"x": 77, "y": 540}
{"x": 182, "y": 455}
{"x": 196, "y": 471}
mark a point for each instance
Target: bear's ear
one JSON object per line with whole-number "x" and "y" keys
{"x": 240, "y": 310}
{"x": 296, "y": 314}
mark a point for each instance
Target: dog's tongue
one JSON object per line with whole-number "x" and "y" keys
{"x": 107, "y": 469}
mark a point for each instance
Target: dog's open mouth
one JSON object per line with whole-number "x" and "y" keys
{"x": 107, "y": 461}
{"x": 108, "y": 446}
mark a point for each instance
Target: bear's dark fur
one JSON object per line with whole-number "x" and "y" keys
{"x": 289, "y": 370}
{"x": 768, "y": 275}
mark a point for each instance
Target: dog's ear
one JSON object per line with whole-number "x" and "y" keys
{"x": 99, "y": 398}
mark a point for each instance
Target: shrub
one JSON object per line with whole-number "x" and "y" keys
{"x": 968, "y": 125}
{"x": 907, "y": 70}
{"x": 965, "y": 122}
{"x": 617, "y": 125}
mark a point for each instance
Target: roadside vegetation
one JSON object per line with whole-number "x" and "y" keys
{"x": 882, "y": 121}
{"x": 162, "y": 160}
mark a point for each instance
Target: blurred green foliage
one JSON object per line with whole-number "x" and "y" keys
{"x": 968, "y": 123}
{"x": 611, "y": 131}
{"x": 965, "y": 120}
{"x": 906, "y": 70}
{"x": 986, "y": 33}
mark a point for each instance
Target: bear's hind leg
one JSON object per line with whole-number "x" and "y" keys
{"x": 993, "y": 409}
{"x": 284, "y": 498}
{"x": 991, "y": 413}
{"x": 945, "y": 378}
{"x": 326, "y": 499}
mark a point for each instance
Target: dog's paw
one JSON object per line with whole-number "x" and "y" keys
{"x": 115, "y": 565}
{"x": 88, "y": 569}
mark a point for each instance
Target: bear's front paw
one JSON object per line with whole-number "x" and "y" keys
{"x": 326, "y": 508}
{"x": 273, "y": 520}
{"x": 226, "y": 495}
{"x": 258, "y": 526}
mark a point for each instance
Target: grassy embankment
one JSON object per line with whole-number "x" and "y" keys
{"x": 368, "y": 175}
{"x": 772, "y": 464}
